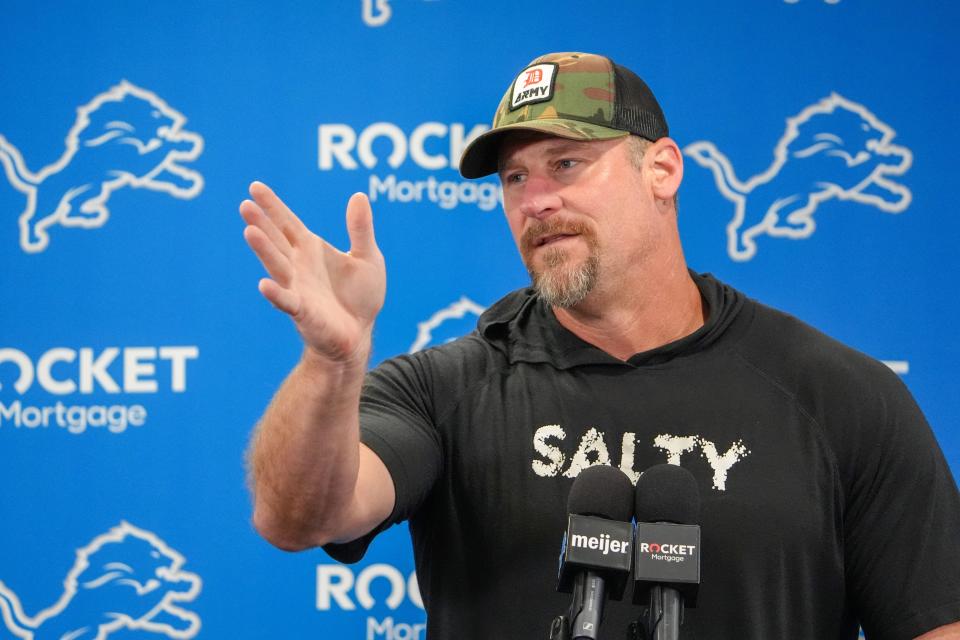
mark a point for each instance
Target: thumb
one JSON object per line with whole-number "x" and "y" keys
{"x": 363, "y": 244}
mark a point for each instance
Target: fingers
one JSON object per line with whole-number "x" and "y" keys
{"x": 363, "y": 244}
{"x": 253, "y": 215}
{"x": 283, "y": 299}
{"x": 274, "y": 261}
{"x": 286, "y": 221}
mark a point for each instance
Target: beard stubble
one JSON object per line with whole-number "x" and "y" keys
{"x": 561, "y": 282}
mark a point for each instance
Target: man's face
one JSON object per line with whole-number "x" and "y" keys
{"x": 574, "y": 209}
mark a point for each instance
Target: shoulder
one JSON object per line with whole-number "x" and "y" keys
{"x": 858, "y": 403}
{"x": 807, "y": 362}
{"x": 435, "y": 378}
{"x": 463, "y": 358}
{"x": 862, "y": 408}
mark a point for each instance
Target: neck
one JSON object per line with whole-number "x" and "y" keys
{"x": 638, "y": 317}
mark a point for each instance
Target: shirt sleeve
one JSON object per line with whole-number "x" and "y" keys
{"x": 397, "y": 423}
{"x": 902, "y": 518}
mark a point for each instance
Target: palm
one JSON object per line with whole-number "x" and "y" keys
{"x": 339, "y": 297}
{"x": 333, "y": 297}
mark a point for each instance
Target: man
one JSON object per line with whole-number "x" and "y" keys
{"x": 826, "y": 501}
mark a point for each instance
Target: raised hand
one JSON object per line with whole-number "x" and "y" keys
{"x": 333, "y": 297}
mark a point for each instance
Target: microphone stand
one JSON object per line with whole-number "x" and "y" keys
{"x": 662, "y": 619}
{"x": 585, "y": 623}
{"x": 666, "y": 613}
{"x": 560, "y": 628}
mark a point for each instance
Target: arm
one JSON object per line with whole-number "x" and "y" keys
{"x": 901, "y": 512}
{"x": 312, "y": 481}
{"x": 947, "y": 632}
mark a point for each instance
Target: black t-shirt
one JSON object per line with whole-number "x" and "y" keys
{"x": 826, "y": 500}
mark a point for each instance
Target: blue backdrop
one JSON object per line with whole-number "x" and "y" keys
{"x": 136, "y": 353}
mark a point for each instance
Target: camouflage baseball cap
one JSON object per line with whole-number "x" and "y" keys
{"x": 581, "y": 96}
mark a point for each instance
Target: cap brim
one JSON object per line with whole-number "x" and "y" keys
{"x": 480, "y": 157}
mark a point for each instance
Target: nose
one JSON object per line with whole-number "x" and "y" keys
{"x": 540, "y": 198}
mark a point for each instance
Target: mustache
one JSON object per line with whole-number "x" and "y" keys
{"x": 550, "y": 227}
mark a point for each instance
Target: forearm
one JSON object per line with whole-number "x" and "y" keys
{"x": 304, "y": 455}
{"x": 948, "y": 632}
{"x": 312, "y": 482}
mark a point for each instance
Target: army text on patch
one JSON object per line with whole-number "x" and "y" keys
{"x": 534, "y": 84}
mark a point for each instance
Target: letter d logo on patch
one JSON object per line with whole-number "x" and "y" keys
{"x": 534, "y": 84}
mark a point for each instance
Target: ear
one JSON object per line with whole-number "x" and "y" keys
{"x": 665, "y": 166}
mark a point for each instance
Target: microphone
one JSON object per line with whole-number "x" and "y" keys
{"x": 597, "y": 550}
{"x": 667, "y": 549}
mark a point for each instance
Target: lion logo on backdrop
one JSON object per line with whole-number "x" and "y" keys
{"x": 833, "y": 149}
{"x": 124, "y": 137}
{"x": 126, "y": 578}
{"x": 447, "y": 324}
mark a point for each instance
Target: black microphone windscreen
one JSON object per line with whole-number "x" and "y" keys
{"x": 667, "y": 493}
{"x": 602, "y": 491}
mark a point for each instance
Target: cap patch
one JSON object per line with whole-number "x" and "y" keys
{"x": 534, "y": 84}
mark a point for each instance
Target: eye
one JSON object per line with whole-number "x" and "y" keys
{"x": 567, "y": 163}
{"x": 513, "y": 178}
